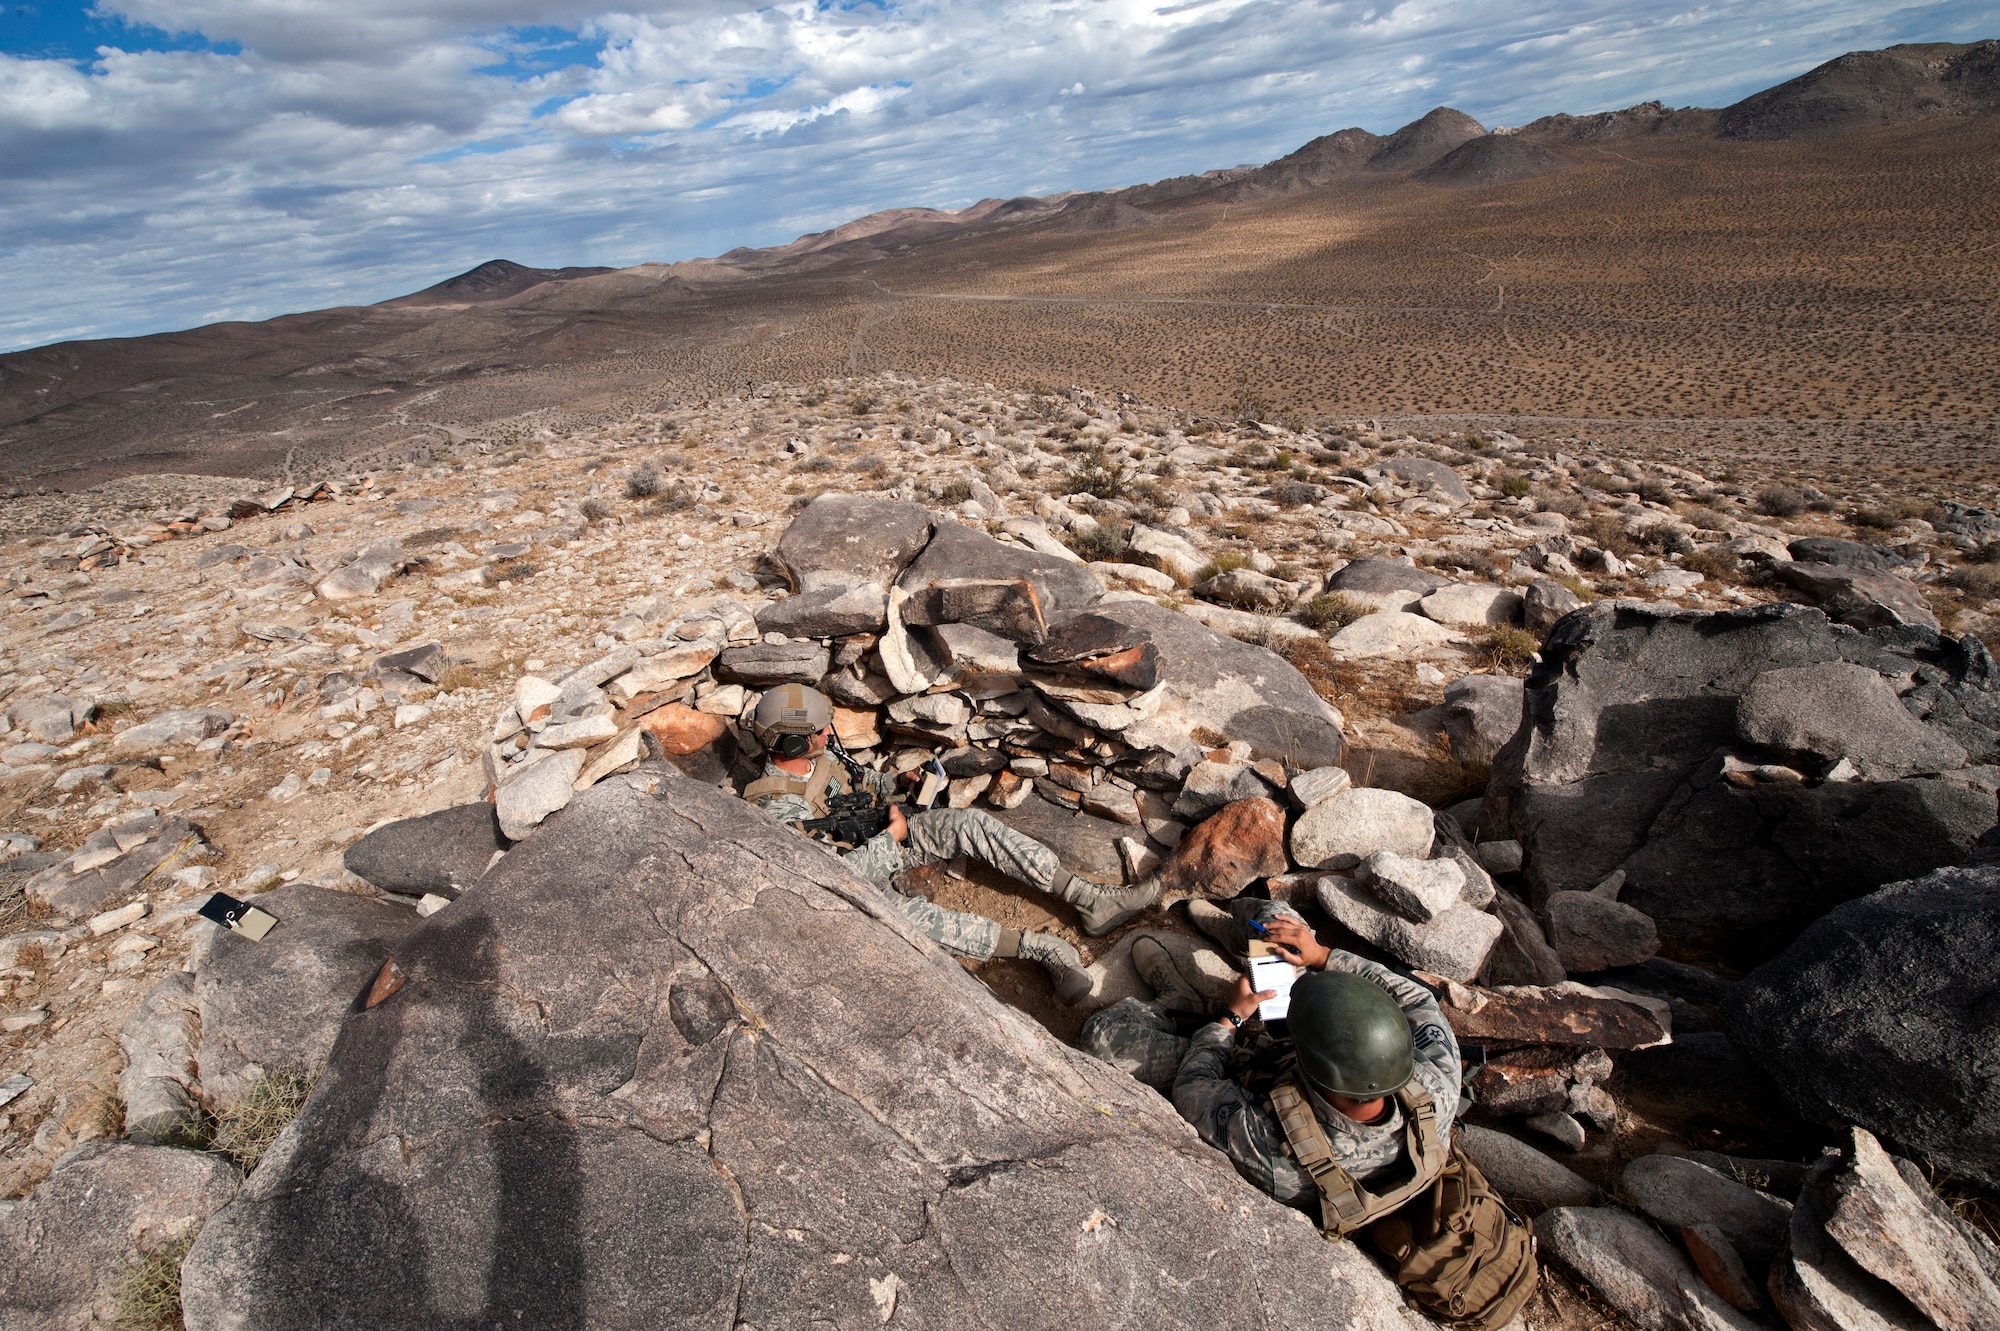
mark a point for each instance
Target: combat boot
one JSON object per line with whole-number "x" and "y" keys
{"x": 1072, "y": 983}
{"x": 1229, "y": 933}
{"x": 1157, "y": 967}
{"x": 1104, "y": 907}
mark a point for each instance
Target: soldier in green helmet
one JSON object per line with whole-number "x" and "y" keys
{"x": 1348, "y": 1113}
{"x": 795, "y": 725}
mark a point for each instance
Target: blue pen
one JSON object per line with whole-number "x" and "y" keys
{"x": 1260, "y": 928}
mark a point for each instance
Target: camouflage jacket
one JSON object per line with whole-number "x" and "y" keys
{"x": 1239, "y": 1122}
{"x": 793, "y": 809}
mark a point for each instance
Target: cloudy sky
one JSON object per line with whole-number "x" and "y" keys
{"x": 166, "y": 163}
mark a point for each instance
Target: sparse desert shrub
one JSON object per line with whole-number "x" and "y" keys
{"x": 1879, "y": 519}
{"x": 1710, "y": 565}
{"x": 643, "y": 482}
{"x": 1094, "y": 473}
{"x": 149, "y": 1293}
{"x": 1582, "y": 590}
{"x": 861, "y": 404}
{"x": 1656, "y": 491}
{"x": 594, "y": 510}
{"x": 1332, "y": 611}
{"x": 1989, "y": 553}
{"x": 1312, "y": 658}
{"x": 818, "y": 462}
{"x": 513, "y": 570}
{"x": 247, "y": 1131}
{"x": 1780, "y": 501}
{"x": 869, "y": 465}
{"x": 1561, "y": 501}
{"x": 1508, "y": 648}
{"x": 955, "y": 492}
{"x": 1980, "y": 580}
{"x": 1222, "y": 563}
{"x": 1514, "y": 485}
{"x": 1707, "y": 519}
{"x": 1099, "y": 544}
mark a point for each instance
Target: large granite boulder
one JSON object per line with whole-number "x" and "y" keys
{"x": 1645, "y": 729}
{"x": 1856, "y": 596}
{"x": 440, "y": 853}
{"x": 64, "y": 1250}
{"x": 672, "y": 1066}
{"x": 277, "y": 1002}
{"x": 1374, "y": 575}
{"x": 841, "y": 541}
{"x": 1237, "y": 690}
{"x": 958, "y": 553}
{"x": 1886, "y": 1013}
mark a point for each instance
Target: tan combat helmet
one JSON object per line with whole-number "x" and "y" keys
{"x": 789, "y": 717}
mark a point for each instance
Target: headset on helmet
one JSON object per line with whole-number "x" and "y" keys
{"x": 789, "y": 718}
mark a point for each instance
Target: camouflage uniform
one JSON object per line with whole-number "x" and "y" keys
{"x": 936, "y": 835}
{"x": 1201, "y": 1073}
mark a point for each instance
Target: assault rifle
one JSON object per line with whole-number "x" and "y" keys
{"x": 852, "y": 819}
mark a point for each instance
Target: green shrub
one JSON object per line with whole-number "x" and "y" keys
{"x": 1332, "y": 611}
{"x": 1094, "y": 473}
{"x": 1223, "y": 563}
{"x": 1509, "y": 647}
{"x": 1514, "y": 485}
{"x": 1099, "y": 544}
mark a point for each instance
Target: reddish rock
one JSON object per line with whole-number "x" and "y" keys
{"x": 1227, "y": 851}
{"x": 1552, "y": 1016}
{"x": 681, "y": 729}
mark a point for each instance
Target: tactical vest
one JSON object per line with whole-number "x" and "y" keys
{"x": 811, "y": 787}
{"x": 1345, "y": 1205}
{"x": 1453, "y": 1244}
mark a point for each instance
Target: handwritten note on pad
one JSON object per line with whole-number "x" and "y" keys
{"x": 1273, "y": 973}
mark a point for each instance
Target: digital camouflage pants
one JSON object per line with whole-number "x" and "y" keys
{"x": 938, "y": 835}
{"x": 1147, "y": 1039}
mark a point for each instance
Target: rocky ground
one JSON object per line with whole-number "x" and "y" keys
{"x": 218, "y": 687}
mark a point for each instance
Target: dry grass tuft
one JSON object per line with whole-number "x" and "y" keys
{"x": 248, "y": 1130}
{"x": 149, "y": 1295}
{"x": 1331, "y": 611}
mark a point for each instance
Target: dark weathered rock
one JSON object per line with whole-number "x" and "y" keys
{"x": 1844, "y": 554}
{"x": 428, "y": 662}
{"x": 1375, "y": 574}
{"x": 1594, "y": 932}
{"x": 1815, "y": 1285}
{"x": 158, "y": 1041}
{"x": 1237, "y": 690}
{"x": 174, "y": 844}
{"x": 1634, "y": 1270}
{"x": 64, "y": 1249}
{"x": 1523, "y": 955}
{"x": 843, "y": 541}
{"x": 1886, "y": 1013}
{"x": 1545, "y": 602}
{"x": 442, "y": 853}
{"x": 1676, "y": 1191}
{"x": 1883, "y": 1214}
{"x": 1701, "y": 1082}
{"x": 1570, "y": 1015}
{"x": 1229, "y": 850}
{"x": 1084, "y": 843}
{"x": 1856, "y": 597}
{"x": 1100, "y": 648}
{"x": 278, "y": 1003}
{"x": 957, "y": 552}
{"x": 826, "y": 613}
{"x": 736, "y": 1090}
{"x": 1481, "y": 713}
{"x": 1619, "y": 764}
{"x": 1440, "y": 481}
{"x": 766, "y": 663}
{"x": 1008, "y": 607}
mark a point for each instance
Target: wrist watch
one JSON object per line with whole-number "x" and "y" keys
{"x": 1235, "y": 1022}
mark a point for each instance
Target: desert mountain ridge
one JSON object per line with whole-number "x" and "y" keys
{"x": 1442, "y": 270}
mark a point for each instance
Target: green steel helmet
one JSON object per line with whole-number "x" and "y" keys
{"x": 789, "y": 716}
{"x": 1351, "y": 1037}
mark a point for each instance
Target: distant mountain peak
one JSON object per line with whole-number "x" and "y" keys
{"x": 496, "y": 279}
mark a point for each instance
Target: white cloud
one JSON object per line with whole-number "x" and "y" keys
{"x": 356, "y": 151}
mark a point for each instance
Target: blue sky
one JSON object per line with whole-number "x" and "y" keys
{"x": 166, "y": 163}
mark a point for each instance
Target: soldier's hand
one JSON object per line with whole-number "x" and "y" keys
{"x": 1296, "y": 944}
{"x": 1245, "y": 1000}
{"x": 899, "y": 826}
